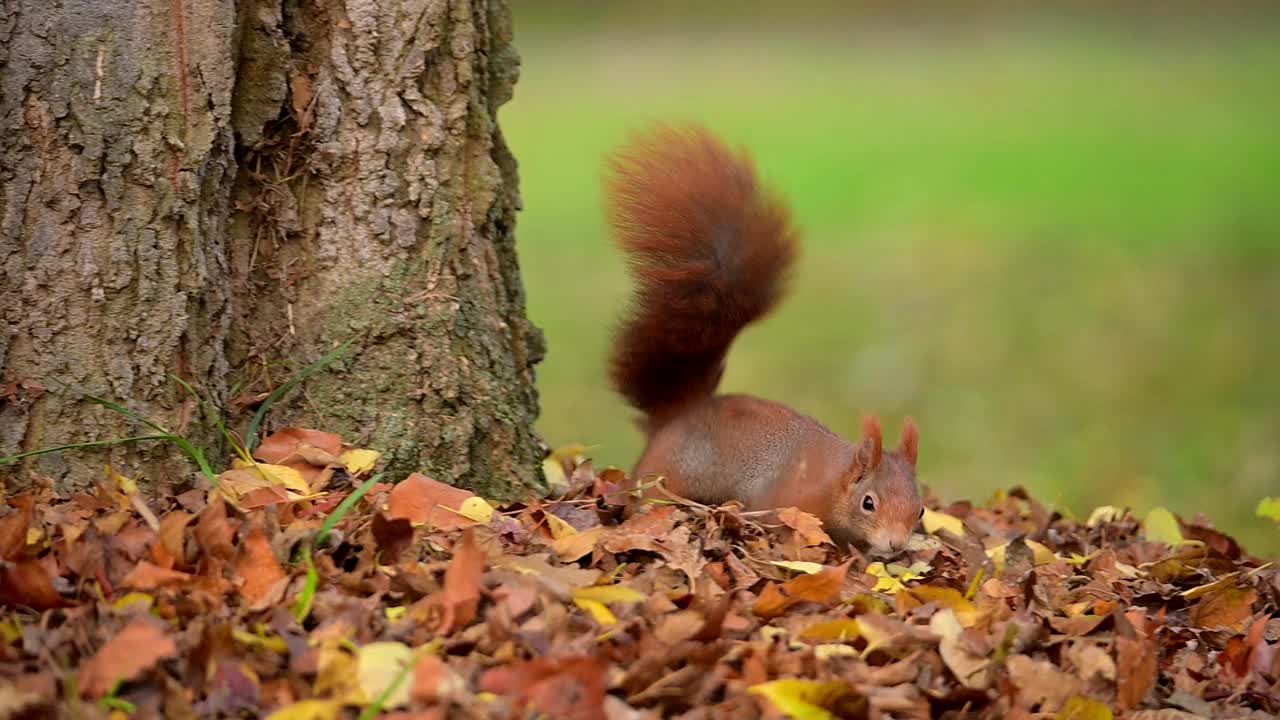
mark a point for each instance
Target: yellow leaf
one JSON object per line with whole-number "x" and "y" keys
{"x": 1040, "y": 554}
{"x": 571, "y": 547}
{"x": 827, "y": 651}
{"x": 808, "y": 699}
{"x": 134, "y": 597}
{"x": 395, "y": 613}
{"x": 1082, "y": 708}
{"x": 892, "y": 578}
{"x": 920, "y": 543}
{"x": 335, "y": 673}
{"x": 274, "y": 643}
{"x": 382, "y": 670}
{"x": 968, "y": 667}
{"x": 598, "y": 610}
{"x": 559, "y": 528}
{"x": 359, "y": 461}
{"x": 812, "y": 568}
{"x": 936, "y": 521}
{"x": 1104, "y": 514}
{"x": 34, "y": 535}
{"x": 1161, "y": 526}
{"x": 553, "y": 471}
{"x": 846, "y": 629}
{"x": 308, "y": 710}
{"x": 477, "y": 509}
{"x": 609, "y": 594}
{"x": 1269, "y": 508}
{"x": 126, "y": 485}
{"x": 947, "y": 597}
{"x": 574, "y": 453}
{"x": 282, "y": 475}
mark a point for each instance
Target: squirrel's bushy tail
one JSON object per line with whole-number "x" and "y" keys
{"x": 708, "y": 249}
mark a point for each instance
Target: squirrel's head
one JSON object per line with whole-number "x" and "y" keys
{"x": 879, "y": 504}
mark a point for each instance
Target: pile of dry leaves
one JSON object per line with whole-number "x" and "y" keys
{"x": 424, "y": 601}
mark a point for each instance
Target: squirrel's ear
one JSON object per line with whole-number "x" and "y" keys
{"x": 909, "y": 448}
{"x": 867, "y": 457}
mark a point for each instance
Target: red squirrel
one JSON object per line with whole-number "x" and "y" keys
{"x": 709, "y": 250}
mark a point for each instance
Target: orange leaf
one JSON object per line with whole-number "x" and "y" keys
{"x": 461, "y": 596}
{"x": 258, "y": 566}
{"x": 126, "y": 656}
{"x": 1228, "y": 607}
{"x": 821, "y": 588}
{"x": 656, "y": 523}
{"x": 807, "y": 526}
{"x": 147, "y": 576}
{"x": 171, "y": 549}
{"x": 13, "y": 527}
{"x": 29, "y": 583}
{"x": 1136, "y": 666}
{"x": 419, "y": 499}
{"x": 571, "y": 688}
{"x": 284, "y": 442}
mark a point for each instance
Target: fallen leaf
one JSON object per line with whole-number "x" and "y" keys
{"x": 126, "y": 656}
{"x": 1040, "y": 682}
{"x": 1228, "y": 607}
{"x": 811, "y": 699}
{"x": 947, "y": 597}
{"x": 1082, "y": 708}
{"x": 1105, "y": 514}
{"x": 1269, "y": 508}
{"x": 359, "y": 461}
{"x": 575, "y": 545}
{"x": 14, "y": 526}
{"x": 146, "y": 576}
{"x": 384, "y": 670}
{"x": 1040, "y": 554}
{"x": 807, "y": 526}
{"x": 309, "y": 710}
{"x": 1136, "y": 670}
{"x": 460, "y": 599}
{"x": 258, "y": 566}
{"x": 968, "y": 668}
{"x": 28, "y": 583}
{"x": 566, "y": 687}
{"x": 812, "y": 568}
{"x": 477, "y": 509}
{"x": 284, "y": 442}
{"x": 820, "y": 588}
{"x": 892, "y": 578}
{"x": 935, "y": 522}
{"x": 827, "y": 631}
{"x": 421, "y": 500}
{"x": 1161, "y": 526}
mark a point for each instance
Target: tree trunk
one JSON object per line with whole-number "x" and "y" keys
{"x": 223, "y": 192}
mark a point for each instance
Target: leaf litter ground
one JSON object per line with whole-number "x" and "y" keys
{"x": 424, "y": 601}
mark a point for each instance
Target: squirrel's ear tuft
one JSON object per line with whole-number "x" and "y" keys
{"x": 872, "y": 442}
{"x": 909, "y": 448}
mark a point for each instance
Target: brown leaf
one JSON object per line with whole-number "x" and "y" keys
{"x": 571, "y": 688}
{"x": 460, "y": 599}
{"x": 1040, "y": 682}
{"x": 13, "y": 527}
{"x": 419, "y": 499}
{"x": 28, "y": 583}
{"x": 821, "y": 588}
{"x": 807, "y": 526}
{"x": 128, "y": 655}
{"x": 214, "y": 531}
{"x": 258, "y": 567}
{"x": 1136, "y": 669}
{"x": 657, "y": 522}
{"x": 284, "y": 442}
{"x": 171, "y": 548}
{"x": 1228, "y": 607}
{"x": 147, "y": 576}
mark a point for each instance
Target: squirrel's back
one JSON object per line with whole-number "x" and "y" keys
{"x": 709, "y": 250}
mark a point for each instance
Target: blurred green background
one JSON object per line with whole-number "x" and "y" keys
{"x": 1054, "y": 240}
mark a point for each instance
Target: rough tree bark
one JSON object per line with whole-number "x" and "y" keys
{"x": 223, "y": 191}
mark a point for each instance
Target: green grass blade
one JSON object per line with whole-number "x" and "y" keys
{"x": 343, "y": 508}
{"x": 74, "y": 446}
{"x": 374, "y": 709}
{"x": 126, "y": 412}
{"x": 251, "y": 437}
{"x": 303, "y": 607}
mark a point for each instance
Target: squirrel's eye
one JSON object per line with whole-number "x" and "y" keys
{"x": 868, "y": 503}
